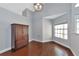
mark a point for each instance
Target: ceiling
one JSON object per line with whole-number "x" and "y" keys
{"x": 17, "y": 7}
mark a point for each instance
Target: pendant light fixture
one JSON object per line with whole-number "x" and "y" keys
{"x": 38, "y": 6}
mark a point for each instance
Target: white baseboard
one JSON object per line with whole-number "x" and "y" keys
{"x": 7, "y": 49}
{"x": 2, "y": 51}
{"x": 61, "y": 43}
{"x": 36, "y": 40}
{"x": 73, "y": 52}
{"x": 30, "y": 40}
{"x": 46, "y": 40}
{"x": 66, "y": 46}
{"x": 58, "y": 43}
{"x": 40, "y": 40}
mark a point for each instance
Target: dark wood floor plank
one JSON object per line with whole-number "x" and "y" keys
{"x": 41, "y": 49}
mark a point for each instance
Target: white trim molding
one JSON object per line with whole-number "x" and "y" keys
{"x": 66, "y": 46}
{"x": 7, "y": 49}
{"x": 36, "y": 40}
{"x": 58, "y": 43}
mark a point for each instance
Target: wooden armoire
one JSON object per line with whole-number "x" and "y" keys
{"x": 19, "y": 35}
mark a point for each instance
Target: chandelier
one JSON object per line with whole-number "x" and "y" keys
{"x": 38, "y": 6}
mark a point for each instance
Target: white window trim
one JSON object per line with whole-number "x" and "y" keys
{"x": 77, "y": 16}
{"x": 62, "y": 29}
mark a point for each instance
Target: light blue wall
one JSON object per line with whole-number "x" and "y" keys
{"x": 6, "y": 19}
{"x": 61, "y": 20}
{"x": 35, "y": 20}
{"x": 74, "y": 35}
{"x": 29, "y": 15}
{"x": 49, "y": 9}
{"x": 37, "y": 26}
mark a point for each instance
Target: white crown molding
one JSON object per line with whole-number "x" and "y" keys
{"x": 55, "y": 16}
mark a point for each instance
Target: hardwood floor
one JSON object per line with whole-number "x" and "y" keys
{"x": 41, "y": 49}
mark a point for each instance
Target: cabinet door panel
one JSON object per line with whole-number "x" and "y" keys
{"x": 19, "y": 35}
{"x": 25, "y": 33}
{"x": 20, "y": 44}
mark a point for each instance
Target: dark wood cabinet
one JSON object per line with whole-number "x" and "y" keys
{"x": 19, "y": 36}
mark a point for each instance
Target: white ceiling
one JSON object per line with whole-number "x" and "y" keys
{"x": 17, "y": 7}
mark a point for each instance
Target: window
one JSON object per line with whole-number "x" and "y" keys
{"x": 61, "y": 31}
{"x": 77, "y": 24}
